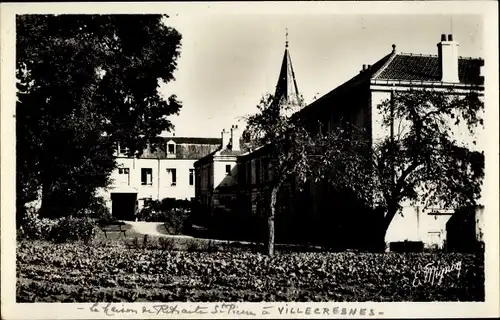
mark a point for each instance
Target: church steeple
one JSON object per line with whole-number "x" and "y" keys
{"x": 287, "y": 91}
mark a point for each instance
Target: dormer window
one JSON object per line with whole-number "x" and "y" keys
{"x": 122, "y": 151}
{"x": 171, "y": 149}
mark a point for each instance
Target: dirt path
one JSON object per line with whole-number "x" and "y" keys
{"x": 151, "y": 228}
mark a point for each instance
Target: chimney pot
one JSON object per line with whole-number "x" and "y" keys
{"x": 235, "y": 138}
{"x": 393, "y": 48}
{"x": 448, "y": 59}
{"x": 364, "y": 67}
{"x": 225, "y": 138}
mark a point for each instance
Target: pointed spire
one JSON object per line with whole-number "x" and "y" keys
{"x": 286, "y": 89}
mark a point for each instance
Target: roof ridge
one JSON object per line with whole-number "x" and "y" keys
{"x": 386, "y": 64}
{"x": 412, "y": 54}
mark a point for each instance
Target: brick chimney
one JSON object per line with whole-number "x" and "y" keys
{"x": 448, "y": 58}
{"x": 235, "y": 138}
{"x": 225, "y": 138}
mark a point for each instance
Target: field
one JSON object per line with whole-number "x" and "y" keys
{"x": 115, "y": 272}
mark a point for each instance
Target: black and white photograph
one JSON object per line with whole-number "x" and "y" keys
{"x": 188, "y": 159}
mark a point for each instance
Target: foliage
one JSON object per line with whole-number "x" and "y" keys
{"x": 422, "y": 163}
{"x": 59, "y": 230}
{"x": 79, "y": 273}
{"x": 74, "y": 229}
{"x": 85, "y": 83}
{"x": 98, "y": 210}
{"x": 175, "y": 214}
{"x": 32, "y": 227}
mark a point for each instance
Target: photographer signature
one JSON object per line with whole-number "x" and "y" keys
{"x": 435, "y": 274}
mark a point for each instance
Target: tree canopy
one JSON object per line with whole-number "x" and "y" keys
{"x": 85, "y": 83}
{"x": 420, "y": 159}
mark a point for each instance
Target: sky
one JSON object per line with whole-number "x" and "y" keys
{"x": 228, "y": 61}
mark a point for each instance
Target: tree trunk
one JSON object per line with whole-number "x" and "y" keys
{"x": 270, "y": 222}
{"x": 45, "y": 210}
{"x": 384, "y": 226}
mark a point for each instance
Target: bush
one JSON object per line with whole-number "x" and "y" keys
{"x": 32, "y": 227}
{"x": 407, "y": 246}
{"x": 74, "y": 229}
{"x": 176, "y": 221}
{"x": 175, "y": 214}
{"x": 98, "y": 210}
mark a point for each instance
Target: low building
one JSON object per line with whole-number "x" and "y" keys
{"x": 217, "y": 174}
{"x": 164, "y": 172}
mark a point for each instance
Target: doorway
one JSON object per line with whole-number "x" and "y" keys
{"x": 124, "y": 206}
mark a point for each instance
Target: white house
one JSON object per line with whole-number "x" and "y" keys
{"x": 167, "y": 172}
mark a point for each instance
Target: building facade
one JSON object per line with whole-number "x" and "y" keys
{"x": 356, "y": 101}
{"x": 164, "y": 172}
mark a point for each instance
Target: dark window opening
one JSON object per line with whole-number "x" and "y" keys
{"x": 173, "y": 176}
{"x": 191, "y": 177}
{"x": 146, "y": 176}
{"x": 171, "y": 149}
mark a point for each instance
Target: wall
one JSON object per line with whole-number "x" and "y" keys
{"x": 415, "y": 224}
{"x": 161, "y": 186}
{"x": 221, "y": 179}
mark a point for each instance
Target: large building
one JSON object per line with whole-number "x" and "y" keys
{"x": 354, "y": 101}
{"x": 165, "y": 172}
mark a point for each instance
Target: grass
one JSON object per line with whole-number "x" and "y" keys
{"x": 161, "y": 228}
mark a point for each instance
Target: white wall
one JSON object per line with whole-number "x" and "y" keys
{"x": 161, "y": 186}
{"x": 378, "y": 132}
{"x": 415, "y": 224}
{"x": 220, "y": 176}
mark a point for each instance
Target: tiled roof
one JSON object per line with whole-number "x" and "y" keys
{"x": 229, "y": 152}
{"x": 194, "y": 151}
{"x": 412, "y": 67}
{"x": 186, "y": 148}
{"x": 194, "y": 140}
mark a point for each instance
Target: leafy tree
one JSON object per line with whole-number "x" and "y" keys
{"x": 85, "y": 83}
{"x": 293, "y": 153}
{"x": 419, "y": 159}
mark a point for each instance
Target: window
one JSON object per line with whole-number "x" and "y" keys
{"x": 123, "y": 171}
{"x": 123, "y": 176}
{"x": 191, "y": 177}
{"x": 173, "y": 176}
{"x": 122, "y": 151}
{"x": 146, "y": 176}
{"x": 171, "y": 148}
{"x": 228, "y": 169}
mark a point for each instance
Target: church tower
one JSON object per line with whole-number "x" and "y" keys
{"x": 287, "y": 92}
